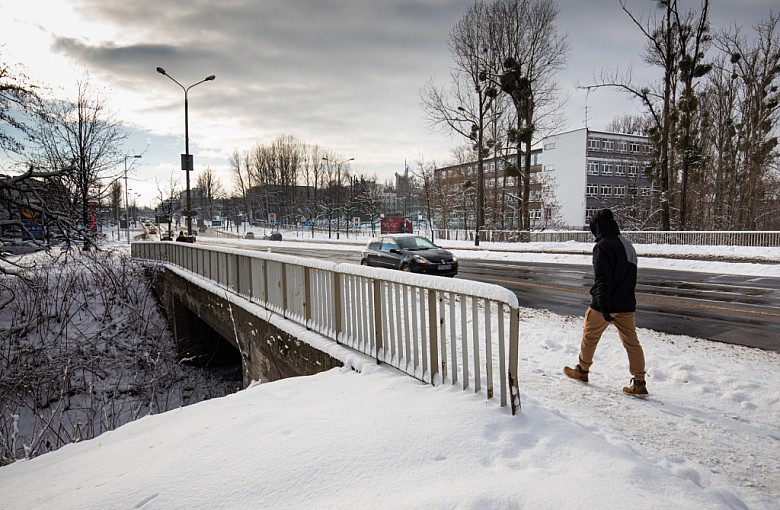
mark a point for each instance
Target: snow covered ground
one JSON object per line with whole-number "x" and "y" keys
{"x": 708, "y": 437}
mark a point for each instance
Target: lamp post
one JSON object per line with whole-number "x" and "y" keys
{"x": 186, "y": 159}
{"x": 127, "y": 204}
{"x": 338, "y": 191}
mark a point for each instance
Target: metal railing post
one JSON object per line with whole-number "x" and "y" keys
{"x": 514, "y": 365}
{"x": 337, "y": 307}
{"x": 378, "y": 309}
{"x": 432, "y": 334}
{"x": 306, "y": 296}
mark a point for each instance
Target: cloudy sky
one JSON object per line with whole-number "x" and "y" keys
{"x": 343, "y": 74}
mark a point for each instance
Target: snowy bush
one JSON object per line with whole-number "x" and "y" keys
{"x": 85, "y": 348}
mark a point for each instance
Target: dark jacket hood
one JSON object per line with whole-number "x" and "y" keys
{"x": 603, "y": 224}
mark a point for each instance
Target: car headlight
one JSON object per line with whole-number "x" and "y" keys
{"x": 454, "y": 258}
{"x": 420, "y": 260}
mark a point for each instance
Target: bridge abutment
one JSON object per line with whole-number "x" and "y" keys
{"x": 213, "y": 330}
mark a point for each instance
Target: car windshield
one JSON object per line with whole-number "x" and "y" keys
{"x": 415, "y": 243}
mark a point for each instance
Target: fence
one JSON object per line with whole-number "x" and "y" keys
{"x": 438, "y": 330}
{"x": 697, "y": 238}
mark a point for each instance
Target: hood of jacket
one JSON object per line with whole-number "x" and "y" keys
{"x": 603, "y": 224}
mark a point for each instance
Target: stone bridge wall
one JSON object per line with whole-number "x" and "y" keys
{"x": 210, "y": 330}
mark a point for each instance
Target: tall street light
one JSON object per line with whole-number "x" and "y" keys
{"x": 338, "y": 191}
{"x": 186, "y": 158}
{"x": 127, "y": 204}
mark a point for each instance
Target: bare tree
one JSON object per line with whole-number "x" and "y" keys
{"x": 242, "y": 180}
{"x": 83, "y": 138}
{"x": 465, "y": 108}
{"x": 531, "y": 51}
{"x": 676, "y": 44}
{"x": 311, "y": 172}
{"x": 168, "y": 196}
{"x": 752, "y": 117}
{"x": 19, "y": 102}
{"x": 693, "y": 37}
{"x": 35, "y": 189}
{"x": 210, "y": 188}
{"x": 425, "y": 174}
{"x": 629, "y": 124}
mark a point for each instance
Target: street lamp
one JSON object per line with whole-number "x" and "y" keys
{"x": 338, "y": 191}
{"x": 127, "y": 204}
{"x": 186, "y": 159}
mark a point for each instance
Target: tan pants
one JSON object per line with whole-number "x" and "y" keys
{"x": 626, "y": 326}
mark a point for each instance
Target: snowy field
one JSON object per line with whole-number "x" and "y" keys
{"x": 708, "y": 436}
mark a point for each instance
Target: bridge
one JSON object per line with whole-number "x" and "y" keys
{"x": 281, "y": 316}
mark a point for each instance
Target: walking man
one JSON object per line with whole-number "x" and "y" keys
{"x": 613, "y": 301}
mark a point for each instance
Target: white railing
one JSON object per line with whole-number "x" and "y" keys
{"x": 438, "y": 330}
{"x": 698, "y": 238}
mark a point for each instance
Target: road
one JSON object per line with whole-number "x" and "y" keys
{"x": 742, "y": 310}
{"x": 735, "y": 309}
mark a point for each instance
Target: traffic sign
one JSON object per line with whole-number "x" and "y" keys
{"x": 186, "y": 162}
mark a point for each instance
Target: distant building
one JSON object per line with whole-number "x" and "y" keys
{"x": 596, "y": 169}
{"x": 573, "y": 174}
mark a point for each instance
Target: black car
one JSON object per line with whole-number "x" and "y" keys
{"x": 409, "y": 253}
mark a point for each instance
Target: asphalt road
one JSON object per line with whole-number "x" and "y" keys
{"x": 742, "y": 310}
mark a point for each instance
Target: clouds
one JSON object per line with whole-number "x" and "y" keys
{"x": 345, "y": 74}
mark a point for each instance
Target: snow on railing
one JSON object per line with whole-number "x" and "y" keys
{"x": 438, "y": 330}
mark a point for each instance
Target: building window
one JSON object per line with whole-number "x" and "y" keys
{"x": 634, "y": 147}
{"x": 549, "y": 146}
{"x": 609, "y": 145}
{"x": 592, "y": 190}
{"x": 549, "y": 168}
{"x": 620, "y": 170}
{"x": 620, "y": 191}
{"x": 589, "y": 214}
{"x": 606, "y": 190}
{"x": 594, "y": 144}
{"x": 623, "y": 146}
{"x": 606, "y": 169}
{"x": 632, "y": 170}
{"x": 645, "y": 191}
{"x": 632, "y": 190}
{"x": 593, "y": 168}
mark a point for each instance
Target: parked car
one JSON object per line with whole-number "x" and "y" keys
{"x": 273, "y": 236}
{"x": 411, "y": 253}
{"x": 249, "y": 235}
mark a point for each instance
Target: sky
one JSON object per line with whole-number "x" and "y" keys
{"x": 366, "y": 436}
{"x": 343, "y": 74}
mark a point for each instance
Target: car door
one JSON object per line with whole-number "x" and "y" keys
{"x": 373, "y": 253}
{"x": 389, "y": 254}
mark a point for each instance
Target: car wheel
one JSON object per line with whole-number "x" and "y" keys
{"x": 363, "y": 262}
{"x": 405, "y": 268}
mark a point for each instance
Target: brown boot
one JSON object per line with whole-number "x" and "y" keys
{"x": 576, "y": 373}
{"x": 638, "y": 388}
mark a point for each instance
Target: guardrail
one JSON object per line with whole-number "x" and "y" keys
{"x": 696, "y": 238}
{"x": 438, "y": 330}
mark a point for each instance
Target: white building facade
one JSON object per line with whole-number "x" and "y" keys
{"x": 596, "y": 169}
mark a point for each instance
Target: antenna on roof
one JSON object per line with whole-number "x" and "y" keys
{"x": 587, "y": 95}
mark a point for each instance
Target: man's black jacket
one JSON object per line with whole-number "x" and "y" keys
{"x": 614, "y": 267}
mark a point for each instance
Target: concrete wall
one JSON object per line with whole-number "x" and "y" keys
{"x": 565, "y": 153}
{"x": 209, "y": 330}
